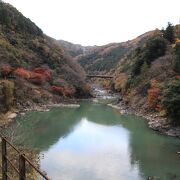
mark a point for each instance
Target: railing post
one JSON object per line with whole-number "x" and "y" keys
{"x": 22, "y": 167}
{"x": 4, "y": 160}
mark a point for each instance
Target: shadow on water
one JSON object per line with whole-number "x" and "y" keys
{"x": 149, "y": 154}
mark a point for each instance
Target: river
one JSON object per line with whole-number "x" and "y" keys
{"x": 96, "y": 142}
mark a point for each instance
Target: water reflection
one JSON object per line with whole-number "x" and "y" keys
{"x": 96, "y": 142}
{"x": 87, "y": 154}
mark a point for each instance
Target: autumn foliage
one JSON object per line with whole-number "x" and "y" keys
{"x": 37, "y": 76}
{"x": 153, "y": 95}
{"x": 22, "y": 73}
{"x": 68, "y": 92}
{"x": 40, "y": 75}
{"x": 45, "y": 72}
{"x": 63, "y": 91}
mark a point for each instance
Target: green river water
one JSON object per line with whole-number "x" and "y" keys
{"x": 95, "y": 142}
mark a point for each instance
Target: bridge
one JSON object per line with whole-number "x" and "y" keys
{"x": 99, "y": 76}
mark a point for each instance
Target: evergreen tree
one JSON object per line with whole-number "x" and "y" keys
{"x": 168, "y": 33}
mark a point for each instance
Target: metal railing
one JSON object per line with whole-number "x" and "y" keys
{"x": 23, "y": 160}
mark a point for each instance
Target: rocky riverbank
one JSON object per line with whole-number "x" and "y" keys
{"x": 157, "y": 123}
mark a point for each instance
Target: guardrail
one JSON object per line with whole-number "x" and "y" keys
{"x": 23, "y": 160}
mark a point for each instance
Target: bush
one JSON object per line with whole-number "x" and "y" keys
{"x": 171, "y": 100}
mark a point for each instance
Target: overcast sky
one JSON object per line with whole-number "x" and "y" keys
{"x": 98, "y": 22}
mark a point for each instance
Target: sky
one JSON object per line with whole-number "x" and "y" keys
{"x": 98, "y": 22}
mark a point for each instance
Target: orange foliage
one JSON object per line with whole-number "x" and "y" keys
{"x": 153, "y": 95}
{"x": 23, "y": 73}
{"x": 37, "y": 76}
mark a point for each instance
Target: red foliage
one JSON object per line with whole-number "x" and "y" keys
{"x": 37, "y": 78}
{"x": 64, "y": 91}
{"x": 58, "y": 90}
{"x": 5, "y": 70}
{"x": 153, "y": 94}
{"x": 43, "y": 72}
{"x": 178, "y": 77}
{"x": 23, "y": 73}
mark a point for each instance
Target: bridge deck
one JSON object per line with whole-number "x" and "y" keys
{"x": 99, "y": 76}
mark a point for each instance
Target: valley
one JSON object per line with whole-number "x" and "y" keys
{"x": 90, "y": 112}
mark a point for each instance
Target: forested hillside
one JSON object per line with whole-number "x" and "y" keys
{"x": 104, "y": 59}
{"x": 33, "y": 67}
{"x": 148, "y": 78}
